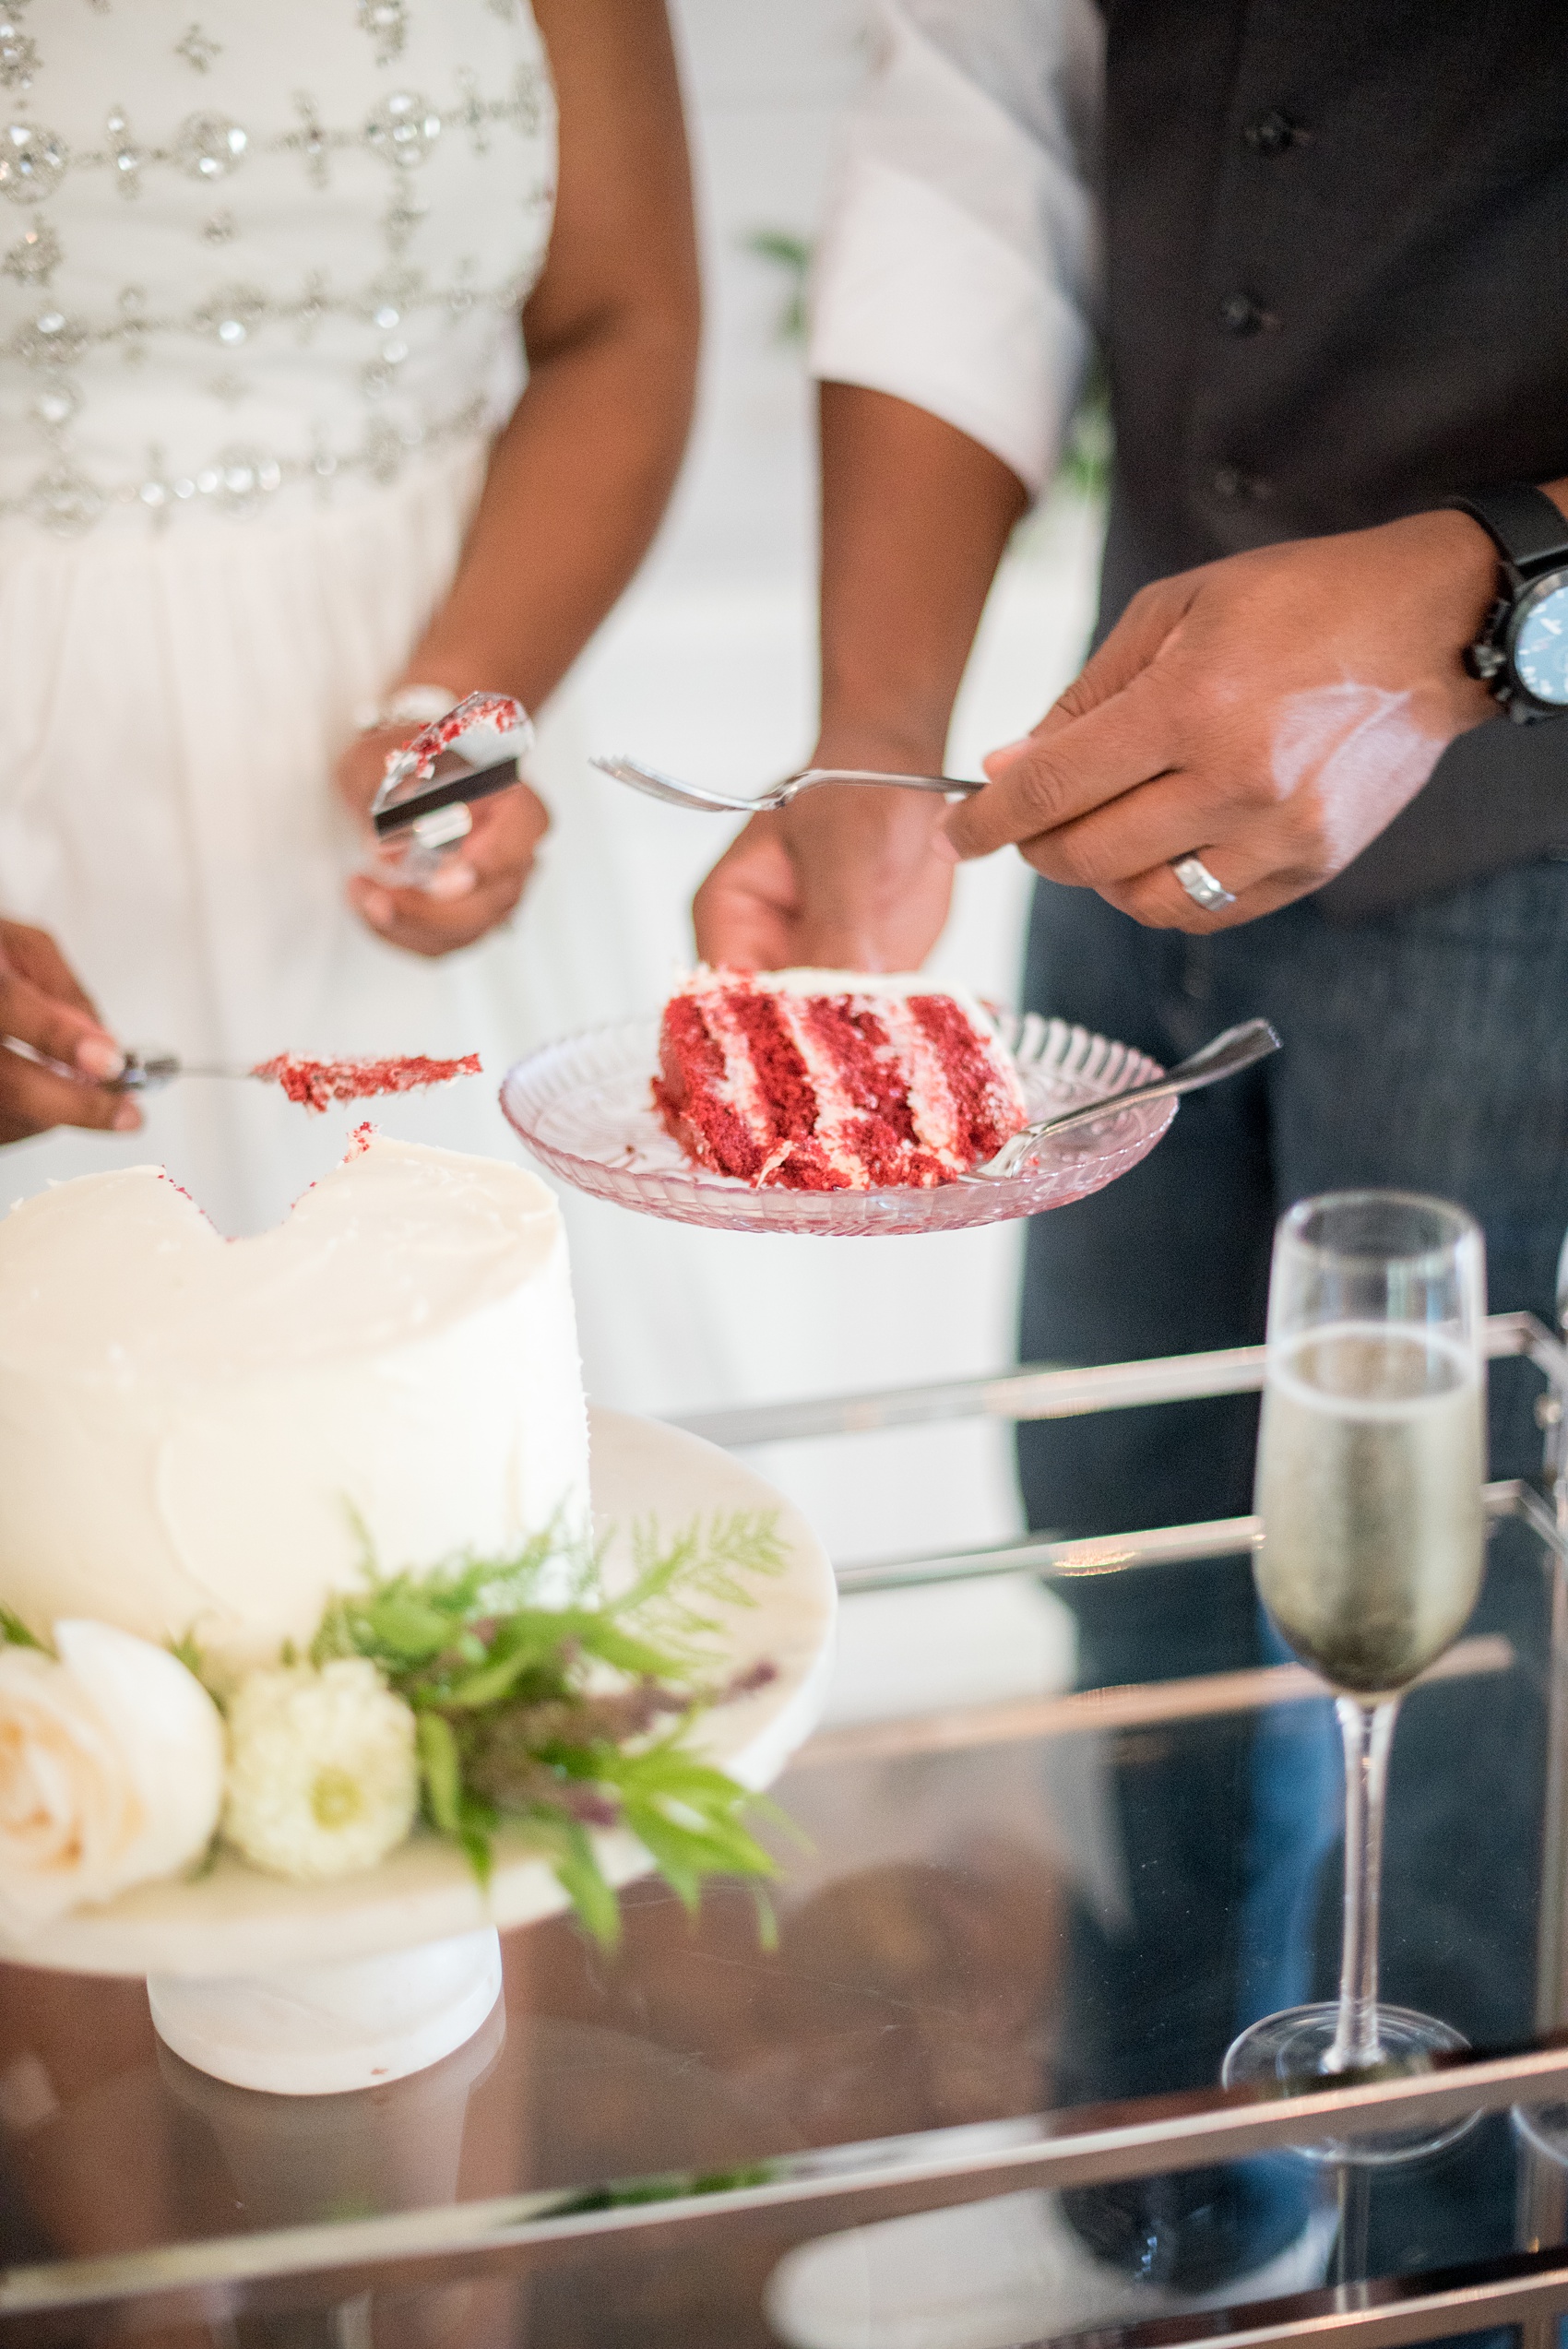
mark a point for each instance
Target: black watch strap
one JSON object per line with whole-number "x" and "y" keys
{"x": 1526, "y": 526}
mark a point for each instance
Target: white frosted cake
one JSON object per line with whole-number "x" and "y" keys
{"x": 204, "y": 1435}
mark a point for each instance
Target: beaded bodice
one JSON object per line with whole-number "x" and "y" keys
{"x": 258, "y": 253}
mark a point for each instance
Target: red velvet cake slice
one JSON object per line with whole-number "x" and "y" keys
{"x": 833, "y": 1080}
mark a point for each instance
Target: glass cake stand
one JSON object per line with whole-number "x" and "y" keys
{"x": 584, "y": 1108}
{"x": 316, "y": 1989}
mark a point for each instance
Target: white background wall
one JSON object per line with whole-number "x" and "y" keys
{"x": 708, "y": 668}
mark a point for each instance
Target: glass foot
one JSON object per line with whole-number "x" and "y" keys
{"x": 1285, "y": 2052}
{"x": 1544, "y": 2126}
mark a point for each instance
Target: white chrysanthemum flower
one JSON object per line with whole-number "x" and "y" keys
{"x": 323, "y": 1779}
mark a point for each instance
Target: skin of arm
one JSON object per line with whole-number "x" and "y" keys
{"x": 915, "y": 517}
{"x": 1270, "y": 713}
{"x": 580, "y": 476}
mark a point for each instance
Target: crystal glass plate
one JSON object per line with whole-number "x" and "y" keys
{"x": 584, "y": 1108}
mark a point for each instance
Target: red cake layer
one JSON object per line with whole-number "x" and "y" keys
{"x": 849, "y": 1088}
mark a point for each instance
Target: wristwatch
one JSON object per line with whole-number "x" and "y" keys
{"x": 1522, "y": 651}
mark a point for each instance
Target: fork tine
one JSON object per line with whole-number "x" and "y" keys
{"x": 665, "y": 786}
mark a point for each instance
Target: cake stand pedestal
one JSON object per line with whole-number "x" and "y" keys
{"x": 320, "y": 2029}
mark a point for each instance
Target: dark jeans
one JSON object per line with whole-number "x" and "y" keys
{"x": 1427, "y": 1050}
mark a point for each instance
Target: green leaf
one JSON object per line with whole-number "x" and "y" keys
{"x": 685, "y": 1854}
{"x": 672, "y": 1851}
{"x": 578, "y": 1872}
{"x": 515, "y": 1699}
{"x": 14, "y": 1633}
{"x": 408, "y": 1626}
{"x": 443, "y": 1773}
{"x": 766, "y": 1919}
{"x": 478, "y": 1851}
{"x": 625, "y": 1652}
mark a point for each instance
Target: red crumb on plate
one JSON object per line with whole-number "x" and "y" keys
{"x": 315, "y": 1083}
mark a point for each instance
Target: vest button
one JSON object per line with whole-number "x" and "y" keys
{"x": 1230, "y": 486}
{"x": 1272, "y": 132}
{"x": 1239, "y": 315}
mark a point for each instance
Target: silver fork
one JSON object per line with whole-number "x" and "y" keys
{"x": 697, "y": 795}
{"x": 1237, "y": 1049}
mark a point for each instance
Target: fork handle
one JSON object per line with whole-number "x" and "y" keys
{"x": 952, "y": 787}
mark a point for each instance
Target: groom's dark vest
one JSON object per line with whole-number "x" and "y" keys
{"x": 1338, "y": 293}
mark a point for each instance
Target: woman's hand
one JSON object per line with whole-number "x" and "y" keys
{"x": 480, "y": 881}
{"x": 42, "y": 1006}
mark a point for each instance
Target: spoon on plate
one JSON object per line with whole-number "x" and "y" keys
{"x": 1237, "y": 1049}
{"x": 676, "y": 794}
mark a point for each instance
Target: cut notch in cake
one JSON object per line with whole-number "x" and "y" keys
{"x": 210, "y": 1436}
{"x": 832, "y": 1080}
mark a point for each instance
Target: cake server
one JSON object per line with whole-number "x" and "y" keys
{"x": 697, "y": 795}
{"x": 149, "y": 1071}
{"x": 424, "y": 801}
{"x": 1237, "y": 1049}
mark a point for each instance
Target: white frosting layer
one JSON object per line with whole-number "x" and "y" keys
{"x": 804, "y": 980}
{"x": 202, "y": 1434}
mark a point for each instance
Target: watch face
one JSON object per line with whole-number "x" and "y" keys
{"x": 1540, "y": 641}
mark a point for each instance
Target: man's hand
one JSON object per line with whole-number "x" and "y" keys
{"x": 914, "y": 518}
{"x": 1270, "y": 713}
{"x": 845, "y": 878}
{"x": 42, "y": 1006}
{"x": 480, "y": 880}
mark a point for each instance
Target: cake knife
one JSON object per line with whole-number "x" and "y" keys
{"x": 432, "y": 781}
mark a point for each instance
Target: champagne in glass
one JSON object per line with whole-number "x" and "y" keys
{"x": 1371, "y": 1461}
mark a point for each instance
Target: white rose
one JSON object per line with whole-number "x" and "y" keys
{"x": 323, "y": 1776}
{"x": 110, "y": 1770}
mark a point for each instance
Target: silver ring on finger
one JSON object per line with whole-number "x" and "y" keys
{"x": 1201, "y": 885}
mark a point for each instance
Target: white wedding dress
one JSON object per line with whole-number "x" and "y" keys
{"x": 260, "y": 276}
{"x": 260, "y": 268}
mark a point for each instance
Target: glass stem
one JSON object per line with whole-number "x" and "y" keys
{"x": 1368, "y": 1732}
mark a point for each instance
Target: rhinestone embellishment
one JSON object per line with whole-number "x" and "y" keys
{"x": 228, "y": 326}
{"x": 208, "y": 148}
{"x": 65, "y": 502}
{"x": 123, "y": 153}
{"x": 32, "y": 162}
{"x": 52, "y": 340}
{"x": 403, "y": 130}
{"x": 232, "y": 314}
{"x": 18, "y": 56}
{"x": 34, "y": 259}
{"x": 198, "y": 50}
{"x": 387, "y": 21}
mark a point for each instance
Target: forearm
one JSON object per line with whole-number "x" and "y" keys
{"x": 578, "y": 480}
{"x": 916, "y": 517}
{"x": 577, "y": 484}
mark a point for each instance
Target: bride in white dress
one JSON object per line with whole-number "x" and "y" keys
{"x": 267, "y": 457}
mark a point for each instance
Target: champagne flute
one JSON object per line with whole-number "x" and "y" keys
{"x": 1370, "y": 1460}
